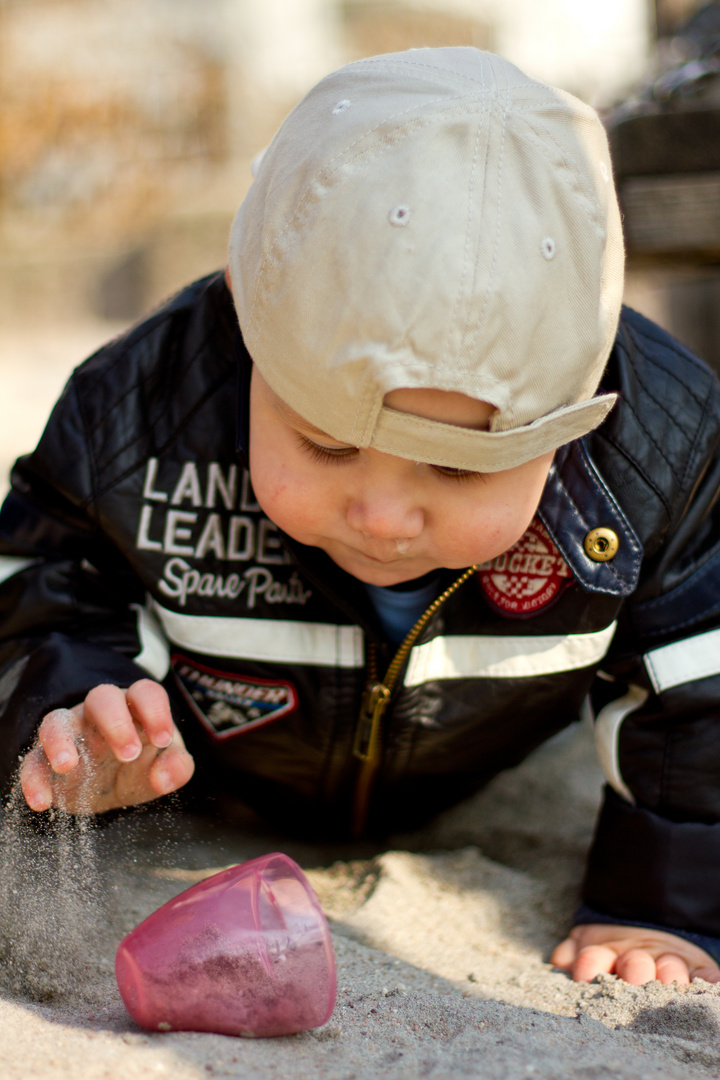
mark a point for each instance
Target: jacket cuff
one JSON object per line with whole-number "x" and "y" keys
{"x": 645, "y": 870}
{"x": 711, "y": 945}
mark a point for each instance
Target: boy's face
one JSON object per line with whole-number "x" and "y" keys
{"x": 385, "y": 519}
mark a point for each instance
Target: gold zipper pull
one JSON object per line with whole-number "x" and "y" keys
{"x": 367, "y": 733}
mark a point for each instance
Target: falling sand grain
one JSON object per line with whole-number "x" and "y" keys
{"x": 51, "y": 904}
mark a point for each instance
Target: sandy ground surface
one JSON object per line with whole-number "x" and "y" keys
{"x": 441, "y": 937}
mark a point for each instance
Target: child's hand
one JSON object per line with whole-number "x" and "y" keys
{"x": 119, "y": 748}
{"x": 634, "y": 954}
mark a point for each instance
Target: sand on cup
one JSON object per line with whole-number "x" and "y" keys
{"x": 245, "y": 952}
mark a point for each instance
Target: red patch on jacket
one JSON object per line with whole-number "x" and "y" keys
{"x": 528, "y": 576}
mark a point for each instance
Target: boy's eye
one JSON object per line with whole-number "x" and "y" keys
{"x": 326, "y": 454}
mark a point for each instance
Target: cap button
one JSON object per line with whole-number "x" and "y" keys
{"x": 601, "y": 544}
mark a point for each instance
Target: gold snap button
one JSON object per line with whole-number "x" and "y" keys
{"x": 602, "y": 544}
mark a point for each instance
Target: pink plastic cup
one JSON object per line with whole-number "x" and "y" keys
{"x": 245, "y": 952}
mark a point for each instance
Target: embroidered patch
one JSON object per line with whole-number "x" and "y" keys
{"x": 529, "y": 576}
{"x": 227, "y": 704}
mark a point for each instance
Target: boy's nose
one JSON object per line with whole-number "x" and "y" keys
{"x": 386, "y": 517}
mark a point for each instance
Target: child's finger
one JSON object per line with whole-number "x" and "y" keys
{"x": 593, "y": 960}
{"x": 171, "y": 770}
{"x": 150, "y": 707}
{"x": 636, "y": 966}
{"x": 57, "y": 735}
{"x": 36, "y": 780}
{"x": 564, "y": 954}
{"x": 107, "y": 710}
{"x": 671, "y": 968}
{"x": 709, "y": 974}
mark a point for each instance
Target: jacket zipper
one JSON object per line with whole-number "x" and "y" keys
{"x": 376, "y": 697}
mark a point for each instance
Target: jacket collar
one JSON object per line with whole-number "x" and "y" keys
{"x": 575, "y": 500}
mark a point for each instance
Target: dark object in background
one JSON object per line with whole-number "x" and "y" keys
{"x": 666, "y": 150}
{"x": 665, "y": 143}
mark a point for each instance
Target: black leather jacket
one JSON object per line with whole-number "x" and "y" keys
{"x": 131, "y": 543}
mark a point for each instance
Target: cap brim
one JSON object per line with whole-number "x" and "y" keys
{"x": 418, "y": 439}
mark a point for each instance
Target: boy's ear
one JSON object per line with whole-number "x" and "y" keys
{"x": 228, "y": 280}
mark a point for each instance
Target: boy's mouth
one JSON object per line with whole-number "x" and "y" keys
{"x": 384, "y": 551}
{"x": 388, "y": 557}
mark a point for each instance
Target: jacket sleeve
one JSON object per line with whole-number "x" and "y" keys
{"x": 655, "y": 860}
{"x": 71, "y": 608}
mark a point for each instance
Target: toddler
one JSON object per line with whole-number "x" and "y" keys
{"x": 359, "y": 553}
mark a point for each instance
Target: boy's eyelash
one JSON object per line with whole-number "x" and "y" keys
{"x": 324, "y": 454}
{"x": 459, "y": 475}
{"x": 337, "y": 455}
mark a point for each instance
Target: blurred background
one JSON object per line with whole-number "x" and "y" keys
{"x": 127, "y": 128}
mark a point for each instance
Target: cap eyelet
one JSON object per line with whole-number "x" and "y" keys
{"x": 399, "y": 215}
{"x": 548, "y": 248}
{"x": 601, "y": 544}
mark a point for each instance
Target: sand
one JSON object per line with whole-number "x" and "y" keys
{"x": 441, "y": 939}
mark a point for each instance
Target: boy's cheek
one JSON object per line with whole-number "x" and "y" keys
{"x": 275, "y": 494}
{"x": 286, "y": 506}
{"x": 269, "y": 485}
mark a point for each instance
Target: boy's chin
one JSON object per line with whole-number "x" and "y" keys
{"x": 385, "y": 579}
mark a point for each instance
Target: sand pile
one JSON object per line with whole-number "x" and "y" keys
{"x": 441, "y": 940}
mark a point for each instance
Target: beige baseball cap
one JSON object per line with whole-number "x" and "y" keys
{"x": 434, "y": 219}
